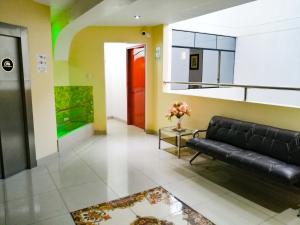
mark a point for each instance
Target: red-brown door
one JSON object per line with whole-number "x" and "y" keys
{"x": 136, "y": 86}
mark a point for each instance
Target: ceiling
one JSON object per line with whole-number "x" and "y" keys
{"x": 56, "y": 6}
{"x": 152, "y": 12}
{"x": 255, "y": 17}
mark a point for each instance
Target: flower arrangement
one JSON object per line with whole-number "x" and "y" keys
{"x": 178, "y": 109}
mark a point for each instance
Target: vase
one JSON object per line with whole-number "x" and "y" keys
{"x": 178, "y": 125}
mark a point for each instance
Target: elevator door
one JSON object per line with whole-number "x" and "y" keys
{"x": 12, "y": 128}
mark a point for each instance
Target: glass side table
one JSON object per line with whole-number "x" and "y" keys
{"x": 174, "y": 137}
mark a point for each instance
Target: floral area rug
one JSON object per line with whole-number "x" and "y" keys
{"x": 152, "y": 207}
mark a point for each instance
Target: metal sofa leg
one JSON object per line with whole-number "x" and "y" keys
{"x": 194, "y": 157}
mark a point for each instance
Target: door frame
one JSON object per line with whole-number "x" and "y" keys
{"x": 21, "y": 34}
{"x": 127, "y": 79}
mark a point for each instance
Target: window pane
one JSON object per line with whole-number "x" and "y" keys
{"x": 210, "y": 66}
{"x": 205, "y": 41}
{"x": 226, "y": 43}
{"x": 182, "y": 38}
{"x": 227, "y": 67}
{"x": 180, "y": 67}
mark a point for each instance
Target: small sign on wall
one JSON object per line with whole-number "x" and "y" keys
{"x": 157, "y": 52}
{"x": 41, "y": 63}
{"x": 7, "y": 64}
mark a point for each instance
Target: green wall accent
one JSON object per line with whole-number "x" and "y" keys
{"x": 74, "y": 108}
{"x": 58, "y": 23}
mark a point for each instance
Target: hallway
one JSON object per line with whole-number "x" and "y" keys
{"x": 127, "y": 161}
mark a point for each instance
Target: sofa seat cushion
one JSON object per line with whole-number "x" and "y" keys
{"x": 213, "y": 148}
{"x": 287, "y": 173}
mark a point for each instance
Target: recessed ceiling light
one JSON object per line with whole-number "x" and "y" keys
{"x": 137, "y": 17}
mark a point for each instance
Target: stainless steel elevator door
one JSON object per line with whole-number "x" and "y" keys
{"x": 12, "y": 143}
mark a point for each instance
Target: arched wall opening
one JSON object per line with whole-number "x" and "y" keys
{"x": 86, "y": 67}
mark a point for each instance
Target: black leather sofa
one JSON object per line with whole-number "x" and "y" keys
{"x": 259, "y": 148}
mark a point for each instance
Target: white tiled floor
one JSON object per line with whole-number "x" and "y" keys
{"x": 128, "y": 161}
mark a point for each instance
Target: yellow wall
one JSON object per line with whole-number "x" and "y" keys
{"x": 61, "y": 73}
{"x": 36, "y": 18}
{"x": 86, "y": 65}
{"x": 87, "y": 57}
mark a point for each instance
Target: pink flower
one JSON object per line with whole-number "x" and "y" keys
{"x": 173, "y": 110}
{"x": 183, "y": 107}
{"x": 178, "y": 109}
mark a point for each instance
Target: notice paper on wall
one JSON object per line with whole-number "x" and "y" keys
{"x": 157, "y": 52}
{"x": 41, "y": 63}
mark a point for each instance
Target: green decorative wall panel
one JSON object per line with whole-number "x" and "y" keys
{"x": 74, "y": 108}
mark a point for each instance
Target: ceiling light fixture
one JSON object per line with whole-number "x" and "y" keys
{"x": 137, "y": 17}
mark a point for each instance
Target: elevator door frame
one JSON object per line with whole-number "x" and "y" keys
{"x": 21, "y": 33}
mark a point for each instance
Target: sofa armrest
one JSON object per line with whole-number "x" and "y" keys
{"x": 196, "y": 133}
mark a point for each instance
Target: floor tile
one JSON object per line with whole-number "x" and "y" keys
{"x": 288, "y": 217}
{"x": 160, "y": 210}
{"x": 74, "y": 175}
{"x": 2, "y": 192}
{"x": 149, "y": 207}
{"x": 225, "y": 210}
{"x": 2, "y": 214}
{"x": 86, "y": 195}
{"x": 184, "y": 219}
{"x": 63, "y": 161}
{"x": 108, "y": 171}
{"x": 31, "y": 210}
{"x": 253, "y": 204}
{"x": 115, "y": 217}
{"x": 196, "y": 190}
{"x": 147, "y": 163}
{"x": 168, "y": 175}
{"x": 86, "y": 144}
{"x": 126, "y": 182}
{"x": 272, "y": 222}
{"x": 61, "y": 220}
{"x": 27, "y": 183}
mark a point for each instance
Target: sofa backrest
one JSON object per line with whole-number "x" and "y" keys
{"x": 275, "y": 142}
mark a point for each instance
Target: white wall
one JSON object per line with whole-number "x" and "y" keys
{"x": 269, "y": 59}
{"x": 116, "y": 80}
{"x": 274, "y": 97}
{"x": 235, "y": 93}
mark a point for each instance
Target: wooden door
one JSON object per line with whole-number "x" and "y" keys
{"x": 136, "y": 86}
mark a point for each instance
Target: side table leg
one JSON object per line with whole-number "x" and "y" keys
{"x": 178, "y": 145}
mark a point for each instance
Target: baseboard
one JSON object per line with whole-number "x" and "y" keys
{"x": 100, "y": 132}
{"x": 76, "y": 137}
{"x": 116, "y": 118}
{"x": 47, "y": 158}
{"x": 153, "y": 132}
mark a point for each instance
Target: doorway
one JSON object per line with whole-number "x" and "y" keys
{"x": 136, "y": 86}
{"x": 17, "y": 151}
{"x": 125, "y": 83}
